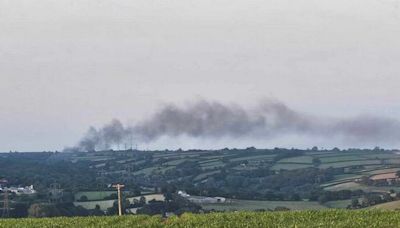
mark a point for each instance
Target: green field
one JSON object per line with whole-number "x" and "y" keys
{"x": 355, "y": 163}
{"x": 251, "y": 205}
{"x": 290, "y": 166}
{"x": 265, "y": 157}
{"x": 349, "y": 163}
{"x": 328, "y": 218}
{"x": 299, "y": 159}
{"x": 104, "y": 204}
{"x": 338, "y": 204}
{"x": 94, "y": 195}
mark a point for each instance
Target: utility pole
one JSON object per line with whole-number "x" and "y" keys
{"x": 118, "y": 187}
{"x": 6, "y": 205}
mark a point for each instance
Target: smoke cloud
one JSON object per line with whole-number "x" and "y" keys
{"x": 213, "y": 120}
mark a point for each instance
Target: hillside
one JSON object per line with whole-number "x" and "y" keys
{"x": 247, "y": 179}
{"x": 331, "y": 218}
{"x": 395, "y": 205}
{"x": 202, "y": 171}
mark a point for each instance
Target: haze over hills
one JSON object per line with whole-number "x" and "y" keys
{"x": 67, "y": 66}
{"x": 270, "y": 121}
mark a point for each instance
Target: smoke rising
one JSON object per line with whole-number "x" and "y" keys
{"x": 213, "y": 120}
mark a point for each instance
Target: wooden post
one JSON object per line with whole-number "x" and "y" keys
{"x": 118, "y": 187}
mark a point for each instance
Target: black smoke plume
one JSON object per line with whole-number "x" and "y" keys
{"x": 269, "y": 119}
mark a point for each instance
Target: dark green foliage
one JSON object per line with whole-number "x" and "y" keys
{"x": 41, "y": 171}
{"x": 175, "y": 204}
{"x": 40, "y": 210}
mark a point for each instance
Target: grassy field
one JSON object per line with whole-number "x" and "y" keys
{"x": 356, "y": 163}
{"x": 328, "y": 218}
{"x": 251, "y": 205}
{"x": 94, "y": 195}
{"x": 338, "y": 204}
{"x": 290, "y": 166}
{"x": 299, "y": 159}
{"x": 104, "y": 204}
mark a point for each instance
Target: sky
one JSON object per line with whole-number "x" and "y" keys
{"x": 66, "y": 65}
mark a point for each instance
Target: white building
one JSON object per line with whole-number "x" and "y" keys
{"x": 183, "y": 194}
{"x": 201, "y": 199}
{"x": 28, "y": 190}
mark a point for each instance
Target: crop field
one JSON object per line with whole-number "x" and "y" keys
{"x": 346, "y": 186}
{"x": 327, "y": 218}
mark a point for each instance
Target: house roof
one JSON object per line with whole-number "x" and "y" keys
{"x": 384, "y": 176}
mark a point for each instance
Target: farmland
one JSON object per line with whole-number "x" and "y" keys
{"x": 355, "y": 163}
{"x": 252, "y": 205}
{"x": 104, "y": 204}
{"x": 330, "y": 218}
{"x": 249, "y": 179}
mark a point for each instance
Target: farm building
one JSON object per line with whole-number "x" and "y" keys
{"x": 28, "y": 190}
{"x": 390, "y": 178}
{"x": 201, "y": 199}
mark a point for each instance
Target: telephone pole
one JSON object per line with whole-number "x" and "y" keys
{"x": 118, "y": 187}
{"x": 6, "y": 205}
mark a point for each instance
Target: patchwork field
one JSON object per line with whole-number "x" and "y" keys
{"x": 356, "y": 164}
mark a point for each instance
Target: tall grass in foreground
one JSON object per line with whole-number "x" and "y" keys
{"x": 329, "y": 218}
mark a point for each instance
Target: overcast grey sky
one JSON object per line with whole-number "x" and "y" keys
{"x": 68, "y": 64}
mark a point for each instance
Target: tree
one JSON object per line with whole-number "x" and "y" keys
{"x": 316, "y": 162}
{"x": 20, "y": 210}
{"x": 295, "y": 197}
{"x": 142, "y": 200}
{"x": 322, "y": 199}
{"x": 355, "y": 203}
{"x": 386, "y": 197}
{"x": 114, "y": 209}
{"x": 83, "y": 198}
{"x": 42, "y": 210}
{"x": 96, "y": 211}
